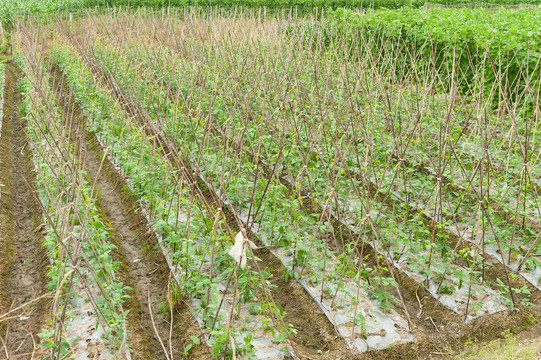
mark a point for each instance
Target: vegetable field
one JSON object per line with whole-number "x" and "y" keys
{"x": 243, "y": 185}
{"x": 10, "y": 9}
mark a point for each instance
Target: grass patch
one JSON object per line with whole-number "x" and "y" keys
{"x": 512, "y": 347}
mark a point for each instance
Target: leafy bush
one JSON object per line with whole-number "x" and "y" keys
{"x": 498, "y": 51}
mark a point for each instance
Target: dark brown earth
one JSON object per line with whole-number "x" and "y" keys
{"x": 316, "y": 337}
{"x": 144, "y": 267}
{"x": 22, "y": 260}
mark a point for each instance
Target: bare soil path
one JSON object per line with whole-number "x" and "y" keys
{"x": 22, "y": 259}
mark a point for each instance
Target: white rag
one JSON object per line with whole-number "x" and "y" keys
{"x": 238, "y": 251}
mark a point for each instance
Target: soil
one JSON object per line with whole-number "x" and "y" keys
{"x": 316, "y": 337}
{"x": 144, "y": 267}
{"x": 23, "y": 262}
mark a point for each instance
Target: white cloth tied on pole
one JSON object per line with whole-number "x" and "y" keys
{"x": 238, "y": 251}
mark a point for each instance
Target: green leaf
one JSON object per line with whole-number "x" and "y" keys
{"x": 195, "y": 340}
{"x": 280, "y": 338}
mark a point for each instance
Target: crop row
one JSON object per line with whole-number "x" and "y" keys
{"x": 483, "y": 3}
{"x": 420, "y": 179}
{"x": 10, "y": 9}
{"x": 88, "y": 297}
{"x": 341, "y": 189}
{"x": 461, "y": 190}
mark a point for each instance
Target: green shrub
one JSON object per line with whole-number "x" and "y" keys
{"x": 478, "y": 49}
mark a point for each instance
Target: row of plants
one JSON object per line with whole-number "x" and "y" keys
{"x": 299, "y": 234}
{"x": 177, "y": 71}
{"x": 11, "y": 9}
{"x": 484, "y": 2}
{"x": 195, "y": 238}
{"x": 270, "y": 4}
{"x": 82, "y": 269}
{"x": 319, "y": 173}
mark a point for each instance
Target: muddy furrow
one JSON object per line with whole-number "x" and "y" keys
{"x": 153, "y": 333}
{"x": 23, "y": 262}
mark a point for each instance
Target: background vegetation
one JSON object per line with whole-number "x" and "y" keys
{"x": 9, "y": 8}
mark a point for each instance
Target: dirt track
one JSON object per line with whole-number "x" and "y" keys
{"x": 22, "y": 260}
